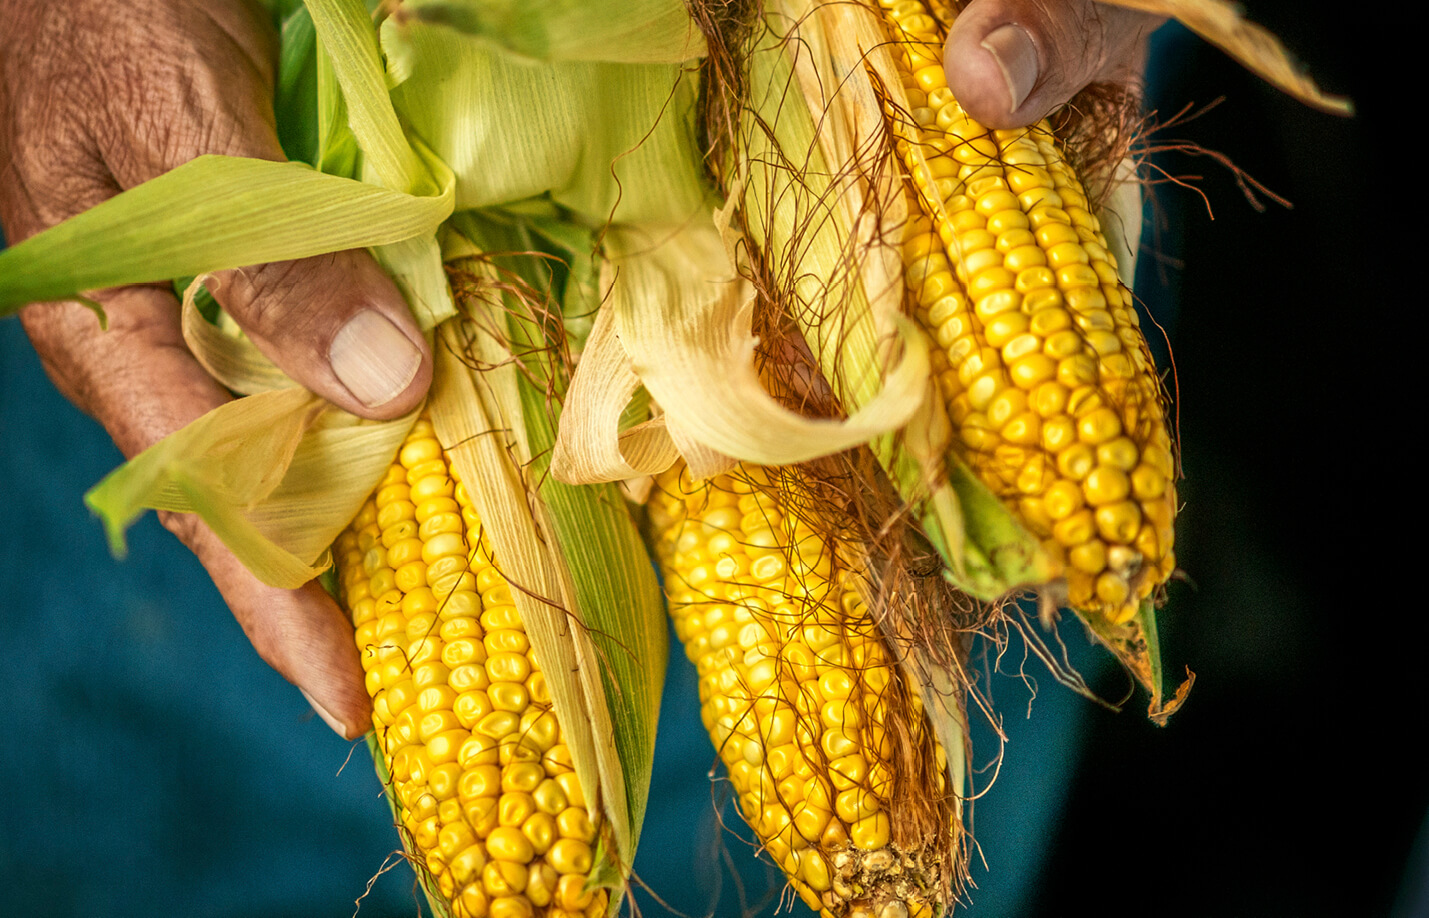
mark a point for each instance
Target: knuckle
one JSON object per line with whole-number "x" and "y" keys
{"x": 266, "y": 298}
{"x": 138, "y": 88}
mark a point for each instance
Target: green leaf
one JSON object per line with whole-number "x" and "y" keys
{"x": 999, "y": 554}
{"x": 277, "y": 476}
{"x": 295, "y": 96}
{"x": 337, "y": 152}
{"x": 1137, "y": 645}
{"x": 346, "y": 36}
{"x": 621, "y": 31}
{"x": 620, "y": 601}
{"x": 607, "y": 142}
{"x": 434, "y": 898}
{"x": 211, "y": 213}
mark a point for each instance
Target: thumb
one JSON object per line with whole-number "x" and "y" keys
{"x": 337, "y": 325}
{"x": 1010, "y": 62}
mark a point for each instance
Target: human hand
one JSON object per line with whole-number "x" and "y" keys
{"x": 1010, "y": 62}
{"x": 96, "y": 97}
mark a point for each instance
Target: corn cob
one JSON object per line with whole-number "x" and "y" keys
{"x": 821, "y": 737}
{"x": 1040, "y": 357}
{"x": 482, "y": 777}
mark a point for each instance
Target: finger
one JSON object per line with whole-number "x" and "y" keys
{"x": 1010, "y": 62}
{"x": 336, "y": 324}
{"x": 140, "y": 381}
{"x": 137, "y": 378}
{"x": 206, "y": 88}
{"x": 300, "y": 633}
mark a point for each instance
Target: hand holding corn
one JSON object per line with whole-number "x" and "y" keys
{"x": 84, "y": 120}
{"x": 99, "y": 97}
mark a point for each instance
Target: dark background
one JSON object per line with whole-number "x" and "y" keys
{"x": 156, "y": 766}
{"x": 1287, "y": 785}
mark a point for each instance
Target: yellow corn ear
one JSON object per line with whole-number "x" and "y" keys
{"x": 1040, "y": 360}
{"x": 481, "y": 774}
{"x": 804, "y": 703}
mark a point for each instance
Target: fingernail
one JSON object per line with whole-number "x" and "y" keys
{"x": 373, "y": 359}
{"x": 1016, "y": 56}
{"x": 338, "y": 727}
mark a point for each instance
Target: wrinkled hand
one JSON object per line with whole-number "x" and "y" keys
{"x": 1010, "y": 62}
{"x": 96, "y": 97}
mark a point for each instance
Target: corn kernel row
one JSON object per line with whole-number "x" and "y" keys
{"x": 796, "y": 686}
{"x": 1041, "y": 361}
{"x": 461, "y": 709}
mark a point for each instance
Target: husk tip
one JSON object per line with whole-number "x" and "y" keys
{"x": 1160, "y": 712}
{"x": 114, "y": 524}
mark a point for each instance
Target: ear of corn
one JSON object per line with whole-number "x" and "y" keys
{"x": 1041, "y": 364}
{"x": 462, "y": 713}
{"x": 1040, "y": 458}
{"x": 828, "y": 751}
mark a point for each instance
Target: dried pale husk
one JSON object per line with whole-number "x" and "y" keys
{"x": 1222, "y": 24}
{"x": 682, "y": 318}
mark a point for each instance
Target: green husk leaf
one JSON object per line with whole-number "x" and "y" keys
{"x": 616, "y": 593}
{"x": 607, "y": 142}
{"x": 618, "y": 31}
{"x": 622, "y": 606}
{"x": 346, "y": 36}
{"x": 295, "y": 95}
{"x": 433, "y": 895}
{"x": 337, "y": 152}
{"x": 212, "y": 213}
{"x": 277, "y": 476}
{"x": 1136, "y": 644}
{"x": 580, "y": 300}
{"x": 999, "y": 554}
{"x": 416, "y": 266}
{"x": 224, "y": 350}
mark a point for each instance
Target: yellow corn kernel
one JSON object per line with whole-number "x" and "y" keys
{"x": 461, "y": 709}
{"x": 1048, "y": 319}
{"x": 795, "y": 683}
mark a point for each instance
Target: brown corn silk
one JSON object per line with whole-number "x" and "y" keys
{"x": 827, "y": 744}
{"x": 484, "y": 787}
